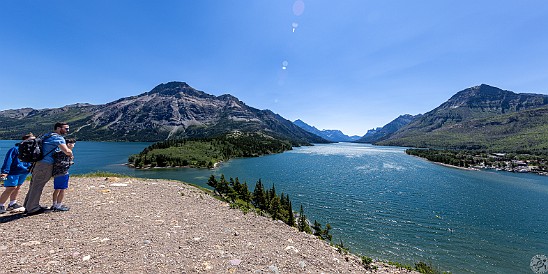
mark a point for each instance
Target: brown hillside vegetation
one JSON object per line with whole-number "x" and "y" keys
{"x": 134, "y": 225}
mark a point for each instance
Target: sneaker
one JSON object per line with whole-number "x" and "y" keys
{"x": 38, "y": 211}
{"x": 61, "y": 208}
{"x": 2, "y": 210}
{"x": 15, "y": 207}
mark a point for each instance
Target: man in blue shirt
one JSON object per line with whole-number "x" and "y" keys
{"x": 43, "y": 169}
{"x": 14, "y": 172}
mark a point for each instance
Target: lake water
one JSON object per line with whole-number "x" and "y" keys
{"x": 383, "y": 203}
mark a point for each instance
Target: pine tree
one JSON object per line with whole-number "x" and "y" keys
{"x": 272, "y": 192}
{"x": 290, "y": 217}
{"x": 230, "y": 191}
{"x": 274, "y": 208}
{"x": 259, "y": 196}
{"x": 320, "y": 232}
{"x": 245, "y": 195}
{"x": 237, "y": 186}
{"x": 212, "y": 182}
{"x": 223, "y": 185}
{"x": 325, "y": 234}
{"x": 303, "y": 223}
{"x": 317, "y": 228}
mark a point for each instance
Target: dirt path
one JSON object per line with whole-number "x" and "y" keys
{"x": 156, "y": 226}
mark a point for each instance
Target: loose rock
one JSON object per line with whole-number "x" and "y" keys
{"x": 158, "y": 229}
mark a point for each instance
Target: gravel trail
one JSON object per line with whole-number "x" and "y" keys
{"x": 132, "y": 225}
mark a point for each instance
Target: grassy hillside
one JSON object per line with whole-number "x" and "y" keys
{"x": 42, "y": 122}
{"x": 524, "y": 131}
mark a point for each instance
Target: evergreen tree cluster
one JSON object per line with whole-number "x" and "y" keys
{"x": 470, "y": 158}
{"x": 449, "y": 157}
{"x": 265, "y": 201}
{"x": 205, "y": 152}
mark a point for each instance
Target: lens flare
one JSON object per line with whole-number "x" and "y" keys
{"x": 298, "y": 7}
{"x": 294, "y": 25}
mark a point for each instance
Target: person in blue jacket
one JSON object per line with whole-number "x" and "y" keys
{"x": 13, "y": 173}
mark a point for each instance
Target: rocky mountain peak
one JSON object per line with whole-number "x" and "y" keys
{"x": 482, "y": 92}
{"x": 169, "y": 111}
{"x": 176, "y": 89}
{"x": 489, "y": 98}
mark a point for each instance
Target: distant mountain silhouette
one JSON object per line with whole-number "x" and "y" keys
{"x": 382, "y": 133}
{"x": 330, "y": 135}
{"x": 171, "y": 110}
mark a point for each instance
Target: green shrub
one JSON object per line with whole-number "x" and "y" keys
{"x": 341, "y": 248}
{"x": 101, "y": 174}
{"x": 425, "y": 268}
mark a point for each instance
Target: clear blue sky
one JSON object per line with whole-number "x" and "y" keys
{"x": 350, "y": 64}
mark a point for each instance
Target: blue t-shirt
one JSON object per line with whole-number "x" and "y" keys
{"x": 51, "y": 144}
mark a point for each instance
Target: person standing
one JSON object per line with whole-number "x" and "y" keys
{"x": 61, "y": 165}
{"x": 43, "y": 169}
{"x": 14, "y": 173}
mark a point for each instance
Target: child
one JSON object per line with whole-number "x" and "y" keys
{"x": 13, "y": 172}
{"x": 61, "y": 165}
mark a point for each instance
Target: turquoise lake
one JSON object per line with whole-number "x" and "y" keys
{"x": 383, "y": 203}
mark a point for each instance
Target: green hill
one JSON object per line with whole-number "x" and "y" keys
{"x": 481, "y": 117}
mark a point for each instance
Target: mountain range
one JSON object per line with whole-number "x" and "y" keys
{"x": 382, "y": 133}
{"x": 332, "y": 135}
{"x": 169, "y": 111}
{"x": 479, "y": 118}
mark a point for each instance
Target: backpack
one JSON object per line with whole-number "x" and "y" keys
{"x": 30, "y": 150}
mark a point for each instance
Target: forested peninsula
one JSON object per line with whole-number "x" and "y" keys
{"x": 207, "y": 152}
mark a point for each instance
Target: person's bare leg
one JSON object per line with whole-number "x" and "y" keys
{"x": 6, "y": 194}
{"x": 60, "y": 196}
{"x": 14, "y": 194}
{"x": 55, "y": 196}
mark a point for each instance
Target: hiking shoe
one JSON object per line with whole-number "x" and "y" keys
{"x": 38, "y": 211}
{"x": 2, "y": 210}
{"x": 61, "y": 208}
{"x": 15, "y": 207}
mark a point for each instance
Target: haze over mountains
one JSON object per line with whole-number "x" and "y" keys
{"x": 382, "y": 133}
{"x": 171, "y": 110}
{"x": 332, "y": 135}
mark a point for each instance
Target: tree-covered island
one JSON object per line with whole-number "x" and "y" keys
{"x": 207, "y": 152}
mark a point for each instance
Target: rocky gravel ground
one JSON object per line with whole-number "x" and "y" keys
{"x": 134, "y": 225}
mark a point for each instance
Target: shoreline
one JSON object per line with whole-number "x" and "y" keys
{"x": 215, "y": 165}
{"x": 479, "y": 168}
{"x": 452, "y": 166}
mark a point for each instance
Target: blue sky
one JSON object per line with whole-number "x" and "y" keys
{"x": 351, "y": 64}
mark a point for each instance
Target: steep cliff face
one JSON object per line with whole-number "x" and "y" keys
{"x": 171, "y": 110}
